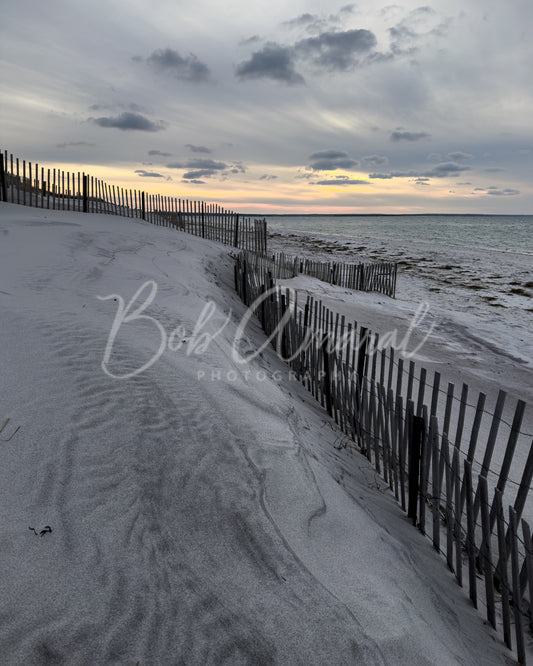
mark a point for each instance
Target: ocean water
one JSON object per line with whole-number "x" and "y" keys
{"x": 492, "y": 255}
{"x": 504, "y": 233}
{"x": 474, "y": 271}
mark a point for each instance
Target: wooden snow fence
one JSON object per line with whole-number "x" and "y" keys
{"x": 29, "y": 184}
{"x": 434, "y": 446}
{"x": 378, "y": 277}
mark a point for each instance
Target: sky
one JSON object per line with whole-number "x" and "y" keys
{"x": 276, "y": 107}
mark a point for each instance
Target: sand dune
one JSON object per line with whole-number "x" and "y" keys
{"x": 200, "y": 513}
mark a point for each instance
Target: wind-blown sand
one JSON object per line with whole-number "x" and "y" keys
{"x": 200, "y": 510}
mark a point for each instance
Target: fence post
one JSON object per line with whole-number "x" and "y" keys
{"x": 85, "y": 193}
{"x": 361, "y": 355}
{"x": 327, "y": 374}
{"x": 3, "y": 187}
{"x": 244, "y": 295}
{"x": 236, "y": 236}
{"x": 203, "y": 221}
{"x": 143, "y": 209}
{"x": 417, "y": 433}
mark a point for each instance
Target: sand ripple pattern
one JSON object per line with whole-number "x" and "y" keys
{"x": 161, "y": 532}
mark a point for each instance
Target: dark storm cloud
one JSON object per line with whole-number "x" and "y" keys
{"x": 408, "y": 136}
{"x": 336, "y": 50}
{"x": 148, "y": 174}
{"x": 274, "y": 62}
{"x": 158, "y": 152}
{"x": 128, "y": 121}
{"x": 198, "y": 149}
{"x": 188, "y": 68}
{"x": 329, "y": 160}
{"x": 459, "y": 156}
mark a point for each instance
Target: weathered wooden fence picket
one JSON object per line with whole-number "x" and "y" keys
{"x": 29, "y": 184}
{"x": 424, "y": 440}
{"x": 379, "y": 277}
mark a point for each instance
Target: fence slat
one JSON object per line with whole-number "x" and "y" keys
{"x": 517, "y": 601}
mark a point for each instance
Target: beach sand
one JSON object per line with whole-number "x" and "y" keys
{"x": 200, "y": 510}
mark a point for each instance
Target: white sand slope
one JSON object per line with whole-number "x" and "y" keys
{"x": 198, "y": 517}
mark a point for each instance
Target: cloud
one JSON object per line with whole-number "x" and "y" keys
{"x": 393, "y": 174}
{"x": 494, "y": 169}
{"x": 413, "y": 28}
{"x": 347, "y": 9}
{"x": 131, "y": 106}
{"x": 195, "y": 182}
{"x": 158, "y": 152}
{"x": 337, "y": 50}
{"x": 374, "y": 160}
{"x": 442, "y": 170}
{"x": 272, "y": 62}
{"x": 199, "y": 164}
{"x": 408, "y": 136}
{"x": 400, "y": 35}
{"x": 507, "y": 192}
{"x": 128, "y": 121}
{"x": 340, "y": 180}
{"x": 187, "y": 68}
{"x": 445, "y": 169}
{"x": 75, "y": 144}
{"x": 303, "y": 19}
{"x": 205, "y": 168}
{"x": 198, "y": 149}
{"x": 148, "y": 174}
{"x": 459, "y": 156}
{"x": 250, "y": 40}
{"x": 329, "y": 160}
{"x": 314, "y": 23}
{"x": 267, "y": 177}
{"x": 200, "y": 173}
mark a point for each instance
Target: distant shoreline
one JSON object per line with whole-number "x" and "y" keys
{"x": 389, "y": 215}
